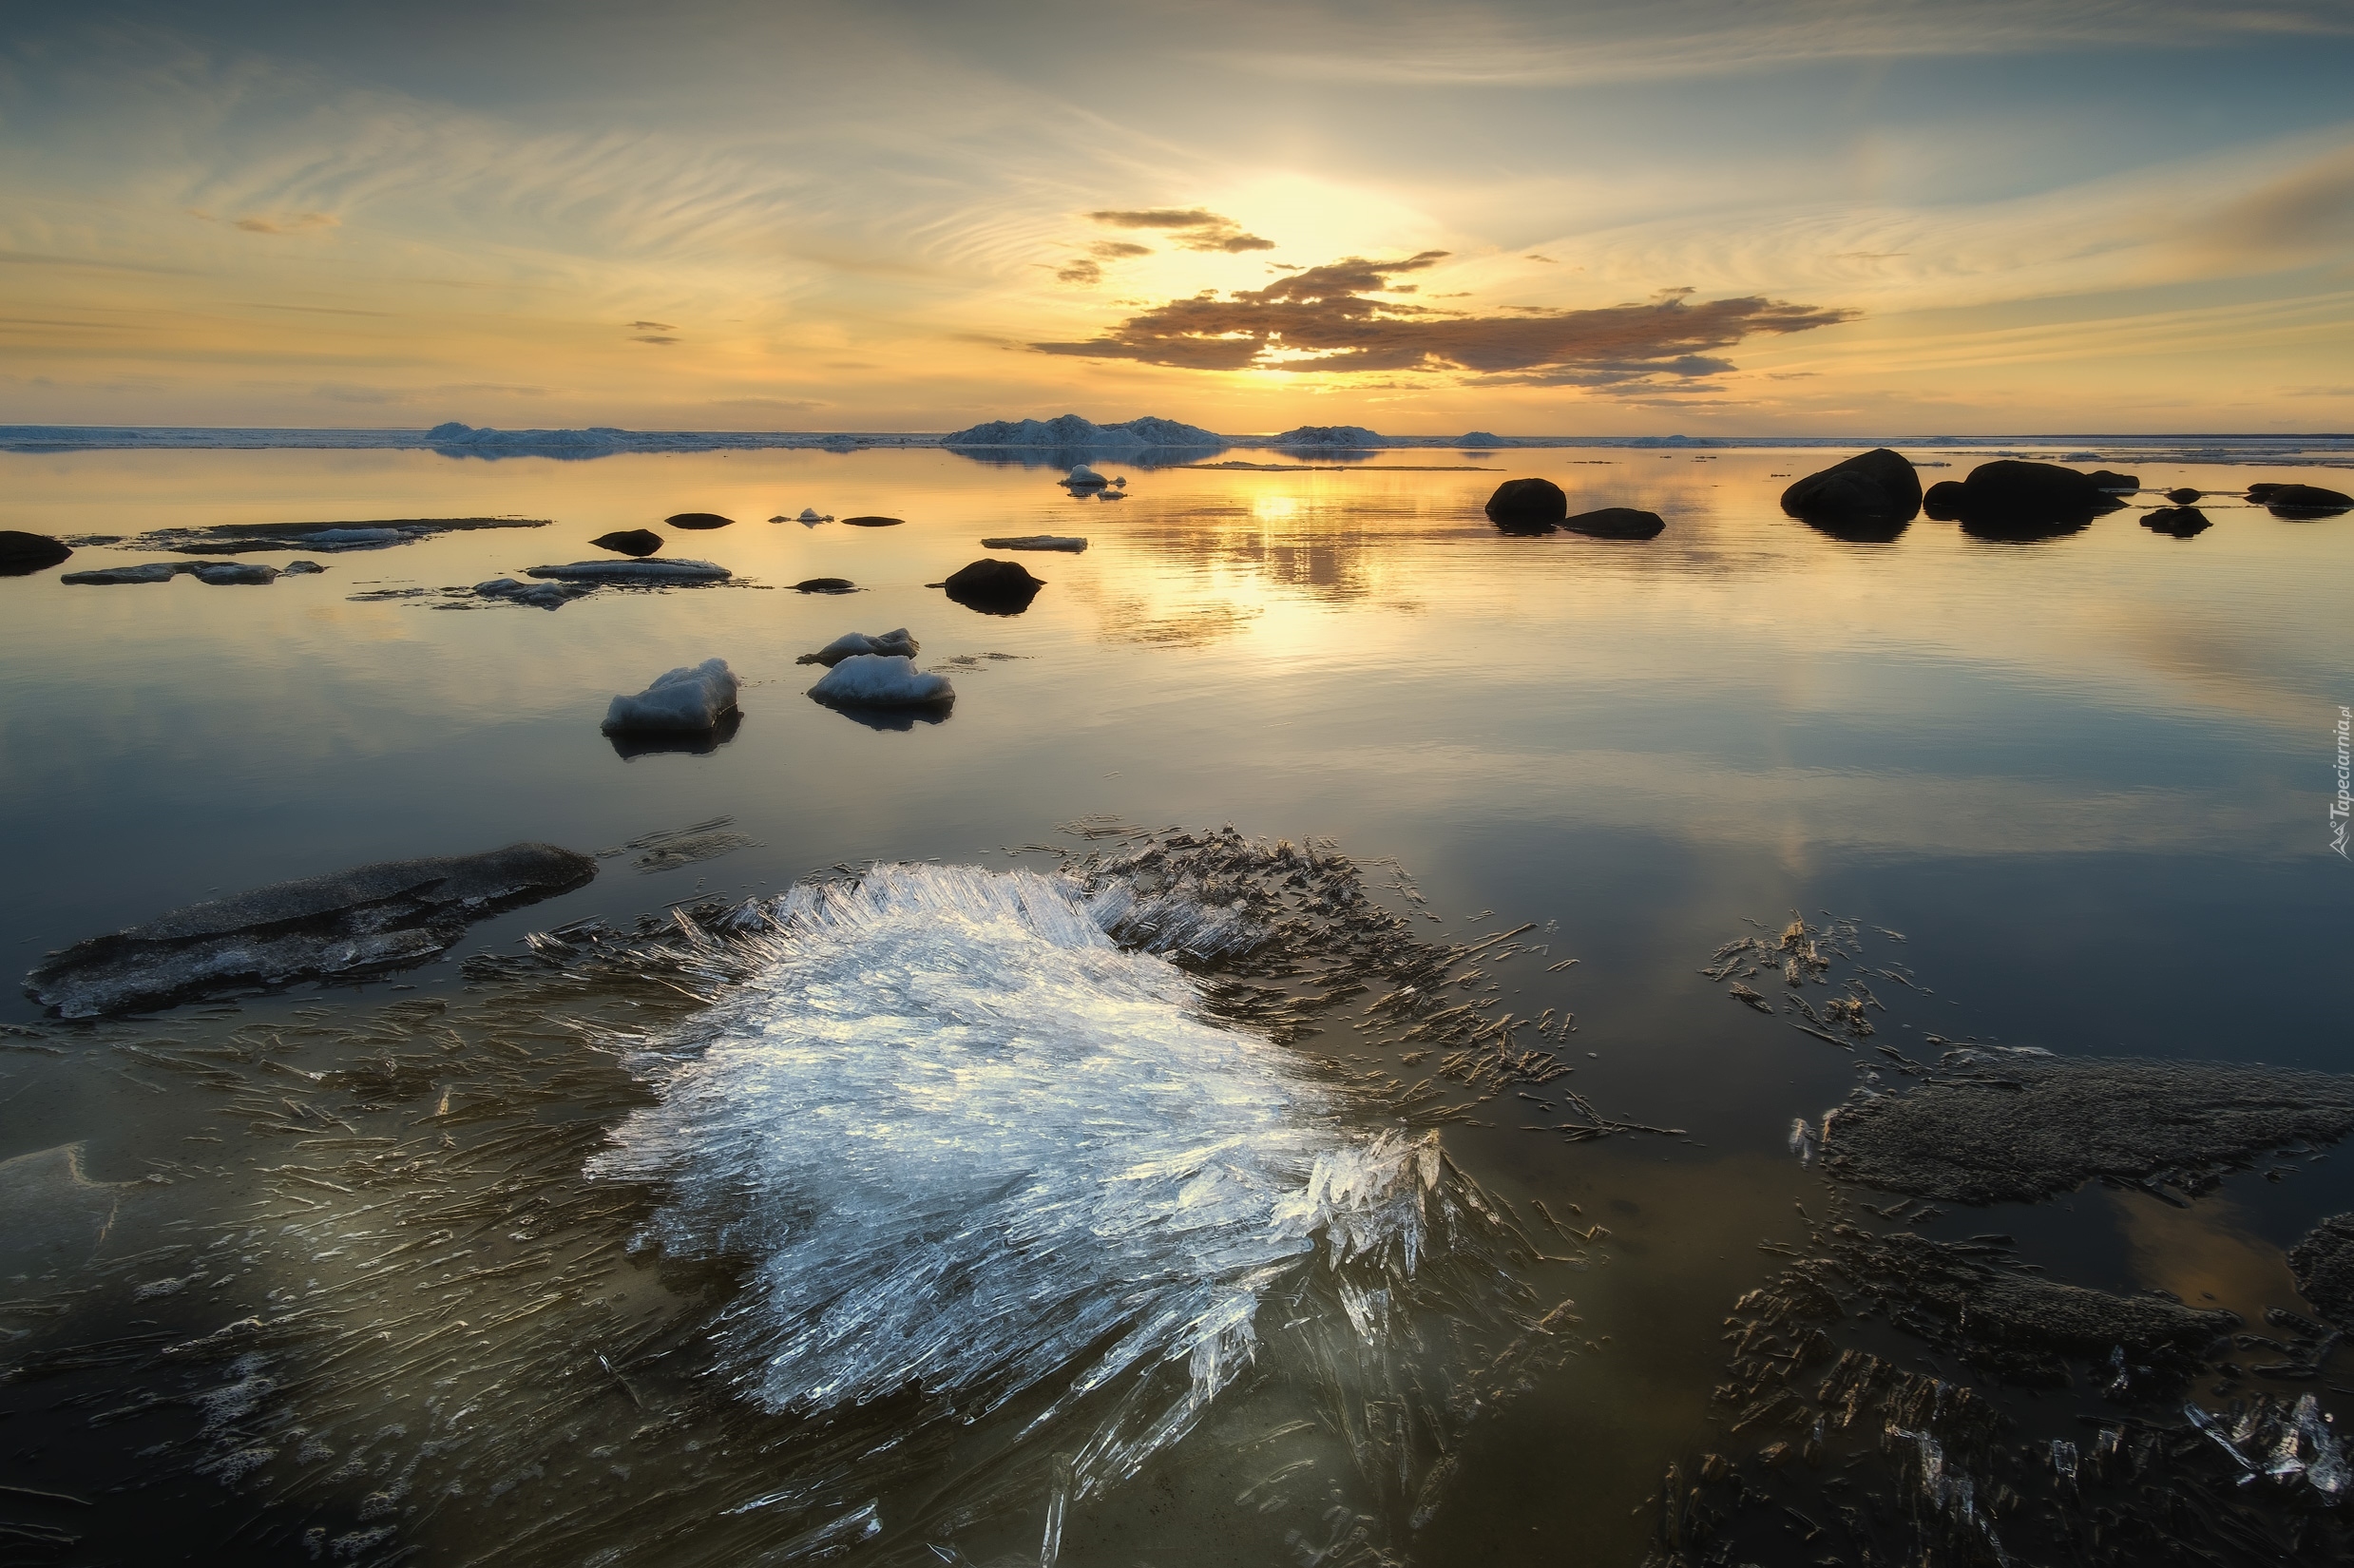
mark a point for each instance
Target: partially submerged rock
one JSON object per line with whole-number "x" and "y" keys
{"x": 301, "y": 568}
{"x": 873, "y": 522}
{"x": 1069, "y": 543}
{"x": 665, "y": 573}
{"x": 228, "y": 572}
{"x": 246, "y": 538}
{"x": 809, "y": 514}
{"x": 1527, "y": 505}
{"x": 1085, "y": 478}
{"x": 699, "y": 519}
{"x": 2176, "y": 522}
{"x": 22, "y": 554}
{"x": 631, "y": 542}
{"x": 891, "y": 645}
{"x": 2300, "y": 503}
{"x": 1868, "y": 498}
{"x": 219, "y": 573}
{"x": 994, "y": 587}
{"x": 1616, "y": 523}
{"x": 540, "y": 596}
{"x": 146, "y": 571}
{"x": 876, "y": 680}
{"x": 825, "y": 584}
{"x": 2010, "y": 499}
{"x": 2323, "y": 1265}
{"x": 2183, "y": 495}
{"x": 690, "y": 698}
{"x": 2009, "y": 1128}
{"x": 342, "y": 927}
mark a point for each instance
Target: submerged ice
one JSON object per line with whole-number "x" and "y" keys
{"x": 971, "y": 1147}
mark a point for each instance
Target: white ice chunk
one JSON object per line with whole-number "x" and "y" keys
{"x": 809, "y": 514}
{"x": 689, "y": 697}
{"x": 963, "y": 1142}
{"x": 877, "y": 681}
{"x": 1082, "y": 477}
{"x": 650, "y": 573}
{"x": 891, "y": 645}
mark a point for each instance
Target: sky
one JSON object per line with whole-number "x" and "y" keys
{"x": 1705, "y": 217}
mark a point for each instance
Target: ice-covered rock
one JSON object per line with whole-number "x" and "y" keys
{"x": 636, "y": 574}
{"x": 892, "y": 644}
{"x": 357, "y": 539}
{"x": 146, "y": 571}
{"x": 22, "y": 554}
{"x": 347, "y": 925}
{"x": 882, "y": 680}
{"x": 1333, "y": 437}
{"x": 301, "y": 568}
{"x": 809, "y": 514}
{"x": 1069, "y": 543}
{"x": 222, "y": 573}
{"x": 691, "y": 698}
{"x": 540, "y": 596}
{"x": 1085, "y": 478}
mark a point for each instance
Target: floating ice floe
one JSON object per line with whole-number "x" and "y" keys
{"x": 1085, "y": 478}
{"x": 1070, "y": 543}
{"x": 809, "y": 515}
{"x": 891, "y": 645}
{"x": 881, "y": 680}
{"x": 652, "y": 573}
{"x": 540, "y": 596}
{"x": 691, "y": 698}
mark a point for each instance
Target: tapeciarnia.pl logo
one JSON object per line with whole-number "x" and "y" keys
{"x": 2343, "y": 804}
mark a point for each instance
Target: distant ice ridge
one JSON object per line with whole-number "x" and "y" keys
{"x": 969, "y": 1144}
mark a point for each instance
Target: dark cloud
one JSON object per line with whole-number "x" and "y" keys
{"x": 1189, "y": 228}
{"x": 1326, "y": 317}
{"x": 1081, "y": 270}
{"x": 652, "y": 337}
{"x": 1117, "y": 250}
{"x": 652, "y": 326}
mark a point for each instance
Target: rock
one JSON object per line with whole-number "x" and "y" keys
{"x": 2015, "y": 1127}
{"x": 301, "y": 568}
{"x": 246, "y": 538}
{"x": 873, "y": 522}
{"x": 540, "y": 596}
{"x": 343, "y": 927}
{"x": 2323, "y": 1265}
{"x": 825, "y": 584}
{"x": 629, "y": 745}
{"x": 22, "y": 554}
{"x": 895, "y": 645}
{"x": 994, "y": 587}
{"x": 146, "y": 571}
{"x": 876, "y": 680}
{"x": 2115, "y": 483}
{"x": 2178, "y": 521}
{"x": 2263, "y": 492}
{"x": 1616, "y": 523}
{"x": 223, "y": 572}
{"x": 1036, "y": 541}
{"x": 1942, "y": 501}
{"x": 1333, "y": 437}
{"x": 2009, "y": 499}
{"x": 356, "y": 539}
{"x": 809, "y": 514}
{"x": 2303, "y": 503}
{"x": 691, "y": 698}
{"x": 632, "y": 542}
{"x": 699, "y": 519}
{"x": 1869, "y": 498}
{"x": 668, "y": 572}
{"x": 1527, "y": 505}
{"x": 1085, "y": 478}
{"x": 2184, "y": 495}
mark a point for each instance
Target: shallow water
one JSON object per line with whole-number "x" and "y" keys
{"x": 2086, "y": 778}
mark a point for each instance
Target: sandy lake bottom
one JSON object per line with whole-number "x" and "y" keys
{"x": 948, "y": 1209}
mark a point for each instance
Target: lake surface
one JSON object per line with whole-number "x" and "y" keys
{"x": 2087, "y": 779}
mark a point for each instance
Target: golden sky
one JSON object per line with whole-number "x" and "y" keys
{"x": 1705, "y": 216}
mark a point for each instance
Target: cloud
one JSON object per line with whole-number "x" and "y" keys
{"x": 1117, "y": 250}
{"x": 1324, "y": 319}
{"x": 289, "y": 223}
{"x": 1081, "y": 270}
{"x": 651, "y": 326}
{"x": 652, "y": 337}
{"x": 1191, "y": 228}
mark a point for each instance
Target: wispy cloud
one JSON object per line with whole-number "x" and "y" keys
{"x": 300, "y": 222}
{"x": 1326, "y": 319}
{"x": 1189, "y": 228}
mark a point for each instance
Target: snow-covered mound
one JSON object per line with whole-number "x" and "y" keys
{"x": 1338, "y": 437}
{"x": 879, "y": 681}
{"x": 891, "y": 645}
{"x": 1071, "y": 431}
{"x": 456, "y": 434}
{"x": 963, "y": 1142}
{"x": 691, "y": 698}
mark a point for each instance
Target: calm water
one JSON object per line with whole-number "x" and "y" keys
{"x": 2087, "y": 779}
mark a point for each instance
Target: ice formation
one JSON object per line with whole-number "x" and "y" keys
{"x": 689, "y": 697}
{"x": 890, "y": 645}
{"x": 1070, "y": 543}
{"x": 883, "y": 681}
{"x": 1082, "y": 477}
{"x": 633, "y": 573}
{"x": 968, "y": 1143}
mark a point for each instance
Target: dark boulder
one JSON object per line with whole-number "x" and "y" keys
{"x": 2261, "y": 493}
{"x": 2114, "y": 483}
{"x": 1616, "y": 523}
{"x": 2184, "y": 496}
{"x": 825, "y": 584}
{"x": 994, "y": 587}
{"x": 873, "y": 522}
{"x": 637, "y": 541}
{"x": 2014, "y": 500}
{"x": 1527, "y": 505}
{"x": 2323, "y": 1265}
{"x": 347, "y": 926}
{"x": 1869, "y": 498}
{"x": 2176, "y": 522}
{"x": 22, "y": 554}
{"x": 2300, "y": 503}
{"x": 699, "y": 520}
{"x": 1942, "y": 502}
